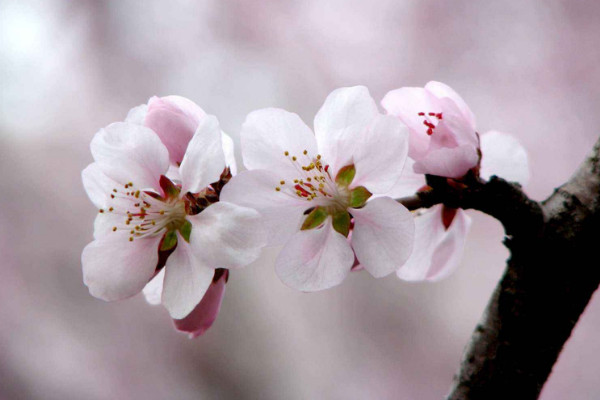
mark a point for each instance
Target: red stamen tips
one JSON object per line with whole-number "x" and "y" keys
{"x": 302, "y": 191}
{"x": 421, "y": 114}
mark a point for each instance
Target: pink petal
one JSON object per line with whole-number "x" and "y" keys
{"x": 226, "y": 235}
{"x": 441, "y": 90}
{"x": 503, "y": 155}
{"x": 315, "y": 259}
{"x": 406, "y": 104}
{"x": 205, "y": 313}
{"x": 186, "y": 281}
{"x": 127, "y": 152}
{"x": 449, "y": 162}
{"x": 174, "y": 119}
{"x": 340, "y": 123}
{"x": 437, "y": 251}
{"x": 204, "y": 159}
{"x": 115, "y": 268}
{"x": 267, "y": 134}
{"x": 383, "y": 236}
{"x": 280, "y": 214}
{"x": 381, "y": 154}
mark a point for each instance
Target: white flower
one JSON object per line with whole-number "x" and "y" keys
{"x": 144, "y": 215}
{"x": 313, "y": 190}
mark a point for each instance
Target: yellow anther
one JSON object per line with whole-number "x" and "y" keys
{"x": 287, "y": 153}
{"x": 162, "y": 212}
{"x": 114, "y": 228}
{"x": 131, "y": 239}
{"x": 305, "y": 152}
{"x": 137, "y": 194}
{"x": 115, "y": 190}
{"x": 110, "y": 209}
{"x": 277, "y": 189}
{"x": 153, "y": 222}
{"x": 295, "y": 180}
{"x": 318, "y": 156}
{"x": 127, "y": 222}
{"x": 294, "y": 158}
{"x": 309, "y": 179}
{"x": 132, "y": 232}
{"x": 282, "y": 182}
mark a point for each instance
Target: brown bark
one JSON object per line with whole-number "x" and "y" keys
{"x": 550, "y": 277}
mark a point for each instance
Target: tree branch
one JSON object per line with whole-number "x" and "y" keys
{"x": 546, "y": 286}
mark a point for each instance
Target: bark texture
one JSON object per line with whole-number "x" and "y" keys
{"x": 551, "y": 274}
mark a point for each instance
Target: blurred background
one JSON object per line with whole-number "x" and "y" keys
{"x": 68, "y": 68}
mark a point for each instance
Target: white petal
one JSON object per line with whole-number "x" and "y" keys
{"x": 406, "y": 103}
{"x": 226, "y": 235}
{"x": 137, "y": 115}
{"x": 345, "y": 107}
{"x": 345, "y": 115}
{"x": 503, "y": 155}
{"x": 267, "y": 134}
{"x": 229, "y": 150}
{"x": 408, "y": 184}
{"x": 204, "y": 159}
{"x": 441, "y": 90}
{"x": 380, "y": 158}
{"x": 130, "y": 153}
{"x": 104, "y": 223}
{"x": 449, "y": 162}
{"x": 115, "y": 268}
{"x": 153, "y": 289}
{"x": 186, "y": 280}
{"x": 383, "y": 236}
{"x": 97, "y": 185}
{"x": 280, "y": 213}
{"x": 449, "y": 252}
{"x": 315, "y": 259}
{"x": 437, "y": 251}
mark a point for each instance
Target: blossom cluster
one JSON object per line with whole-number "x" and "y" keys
{"x": 175, "y": 216}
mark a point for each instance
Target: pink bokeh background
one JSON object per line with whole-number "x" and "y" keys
{"x": 70, "y": 68}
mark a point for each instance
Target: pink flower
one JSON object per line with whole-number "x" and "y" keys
{"x": 145, "y": 217}
{"x": 443, "y": 139}
{"x": 441, "y": 232}
{"x": 312, "y": 189}
{"x": 175, "y": 120}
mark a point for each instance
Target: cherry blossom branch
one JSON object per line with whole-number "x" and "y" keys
{"x": 550, "y": 278}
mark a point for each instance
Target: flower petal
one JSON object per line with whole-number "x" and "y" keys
{"x": 315, "y": 259}
{"x": 409, "y": 183}
{"x": 153, "y": 289}
{"x": 344, "y": 107}
{"x": 137, "y": 115}
{"x": 503, "y": 155}
{"x": 205, "y": 313}
{"x": 267, "y": 134}
{"x": 115, "y": 268}
{"x": 280, "y": 214}
{"x": 406, "y": 103}
{"x": 437, "y": 251}
{"x": 204, "y": 159}
{"x": 226, "y": 235}
{"x": 127, "y": 152}
{"x": 187, "y": 279}
{"x": 381, "y": 155}
{"x": 229, "y": 151}
{"x": 97, "y": 185}
{"x": 449, "y": 162}
{"x": 342, "y": 120}
{"x": 383, "y": 236}
{"x": 174, "y": 119}
{"x": 441, "y": 90}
